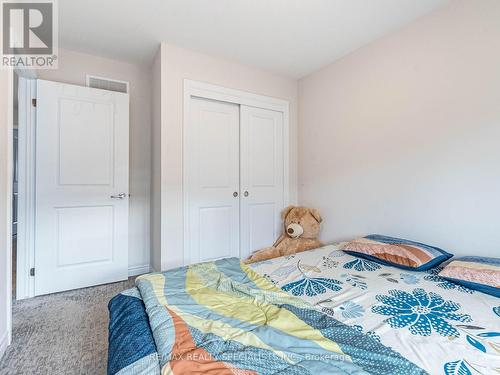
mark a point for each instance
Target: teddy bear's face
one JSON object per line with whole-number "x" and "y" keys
{"x": 302, "y": 222}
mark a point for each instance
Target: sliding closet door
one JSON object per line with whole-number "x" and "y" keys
{"x": 262, "y": 166}
{"x": 212, "y": 168}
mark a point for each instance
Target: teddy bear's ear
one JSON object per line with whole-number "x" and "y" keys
{"x": 316, "y": 215}
{"x": 286, "y": 211}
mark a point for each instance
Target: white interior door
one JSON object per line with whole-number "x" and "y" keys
{"x": 82, "y": 164}
{"x": 212, "y": 168}
{"x": 262, "y": 176}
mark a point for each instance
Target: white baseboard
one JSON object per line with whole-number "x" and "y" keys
{"x": 4, "y": 342}
{"x": 139, "y": 270}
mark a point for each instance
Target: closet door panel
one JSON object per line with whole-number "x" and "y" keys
{"x": 262, "y": 166}
{"x": 212, "y": 157}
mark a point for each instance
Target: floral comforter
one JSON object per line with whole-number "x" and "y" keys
{"x": 442, "y": 327}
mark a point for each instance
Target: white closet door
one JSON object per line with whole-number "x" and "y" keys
{"x": 262, "y": 197}
{"x": 212, "y": 157}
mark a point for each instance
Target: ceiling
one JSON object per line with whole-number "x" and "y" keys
{"x": 290, "y": 37}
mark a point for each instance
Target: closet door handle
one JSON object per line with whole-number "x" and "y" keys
{"x": 246, "y": 194}
{"x": 235, "y": 194}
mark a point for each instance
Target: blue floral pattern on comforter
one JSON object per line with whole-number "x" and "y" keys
{"x": 440, "y": 326}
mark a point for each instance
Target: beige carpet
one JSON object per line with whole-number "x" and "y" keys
{"x": 63, "y": 333}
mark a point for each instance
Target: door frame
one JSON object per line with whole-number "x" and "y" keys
{"x": 25, "y": 283}
{"x": 6, "y": 146}
{"x": 214, "y": 92}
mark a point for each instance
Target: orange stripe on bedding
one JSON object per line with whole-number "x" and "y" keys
{"x": 187, "y": 358}
{"x": 403, "y": 254}
{"x": 422, "y": 255}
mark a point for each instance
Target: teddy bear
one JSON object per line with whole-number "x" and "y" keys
{"x": 301, "y": 227}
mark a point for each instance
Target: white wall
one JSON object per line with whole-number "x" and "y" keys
{"x": 402, "y": 136}
{"x": 73, "y": 68}
{"x": 176, "y": 65}
{"x": 5, "y": 207}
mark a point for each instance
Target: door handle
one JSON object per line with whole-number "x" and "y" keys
{"x": 246, "y": 193}
{"x": 235, "y": 194}
{"x": 119, "y": 196}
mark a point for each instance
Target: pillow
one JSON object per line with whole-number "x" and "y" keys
{"x": 397, "y": 252}
{"x": 479, "y": 273}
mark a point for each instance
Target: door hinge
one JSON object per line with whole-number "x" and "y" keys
{"x": 32, "y": 272}
{"x": 33, "y": 102}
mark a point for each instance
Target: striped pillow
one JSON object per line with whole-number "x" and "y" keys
{"x": 397, "y": 252}
{"x": 479, "y": 273}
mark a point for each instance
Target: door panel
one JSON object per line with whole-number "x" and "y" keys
{"x": 85, "y": 128}
{"x": 212, "y": 167}
{"x": 262, "y": 176}
{"x": 262, "y": 230}
{"x": 82, "y": 160}
{"x": 74, "y": 246}
{"x": 261, "y": 153}
{"x": 213, "y": 222}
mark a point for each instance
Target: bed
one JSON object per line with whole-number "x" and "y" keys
{"x": 318, "y": 312}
